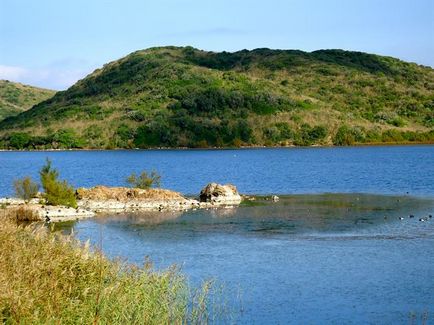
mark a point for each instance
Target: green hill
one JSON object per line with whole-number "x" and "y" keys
{"x": 16, "y": 98}
{"x": 184, "y": 97}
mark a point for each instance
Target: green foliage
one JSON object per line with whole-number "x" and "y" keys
{"x": 19, "y": 140}
{"x": 67, "y": 138}
{"x": 346, "y": 136}
{"x": 309, "y": 135}
{"x": 279, "y": 132}
{"x": 48, "y": 278}
{"x": 16, "y": 98}
{"x": 184, "y": 97}
{"x": 56, "y": 192}
{"x": 26, "y": 188}
{"x": 145, "y": 180}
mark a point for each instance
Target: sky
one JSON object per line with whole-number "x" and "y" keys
{"x": 54, "y": 43}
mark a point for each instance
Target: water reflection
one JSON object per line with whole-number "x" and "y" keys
{"x": 296, "y": 215}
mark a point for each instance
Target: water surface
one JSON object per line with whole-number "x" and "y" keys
{"x": 306, "y": 259}
{"x": 391, "y": 170}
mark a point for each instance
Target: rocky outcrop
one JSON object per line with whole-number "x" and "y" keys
{"x": 101, "y": 193}
{"x": 220, "y": 194}
{"x": 44, "y": 212}
{"x": 102, "y": 198}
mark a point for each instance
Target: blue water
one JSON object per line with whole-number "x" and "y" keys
{"x": 313, "y": 259}
{"x": 308, "y": 259}
{"x": 391, "y": 170}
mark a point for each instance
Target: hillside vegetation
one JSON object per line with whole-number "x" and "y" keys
{"x": 184, "y": 97}
{"x": 16, "y": 98}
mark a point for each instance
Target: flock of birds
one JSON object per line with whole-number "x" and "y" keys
{"x": 420, "y": 219}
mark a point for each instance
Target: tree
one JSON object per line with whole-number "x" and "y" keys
{"x": 19, "y": 140}
{"x": 145, "y": 180}
{"x": 56, "y": 192}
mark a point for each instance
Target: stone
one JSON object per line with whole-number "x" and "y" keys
{"x": 220, "y": 194}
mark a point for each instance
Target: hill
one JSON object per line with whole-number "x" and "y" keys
{"x": 184, "y": 97}
{"x": 16, "y": 98}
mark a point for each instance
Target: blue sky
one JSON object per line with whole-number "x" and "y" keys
{"x": 53, "y": 43}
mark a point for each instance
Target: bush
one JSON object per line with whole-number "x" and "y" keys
{"x": 56, "y": 192}
{"x": 346, "y": 136}
{"x": 67, "y": 138}
{"x": 19, "y": 140}
{"x": 144, "y": 180}
{"x": 309, "y": 135}
{"x": 25, "y": 188}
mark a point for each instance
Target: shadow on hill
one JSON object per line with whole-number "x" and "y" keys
{"x": 357, "y": 60}
{"x": 284, "y": 59}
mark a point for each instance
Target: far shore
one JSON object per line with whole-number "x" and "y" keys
{"x": 355, "y": 145}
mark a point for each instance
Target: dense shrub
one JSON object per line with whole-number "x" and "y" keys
{"x": 308, "y": 135}
{"x": 56, "y": 192}
{"x": 67, "y": 138}
{"x": 346, "y": 136}
{"x": 19, "y": 140}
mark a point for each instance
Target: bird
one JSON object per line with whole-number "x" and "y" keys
{"x": 411, "y": 216}
{"x": 430, "y": 216}
{"x": 401, "y": 218}
{"x": 422, "y": 219}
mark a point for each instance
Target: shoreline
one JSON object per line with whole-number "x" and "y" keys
{"x": 102, "y": 199}
{"x": 356, "y": 145}
{"x": 94, "y": 208}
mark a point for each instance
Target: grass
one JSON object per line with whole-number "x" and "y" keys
{"x": 21, "y": 214}
{"x": 48, "y": 278}
{"x": 16, "y": 98}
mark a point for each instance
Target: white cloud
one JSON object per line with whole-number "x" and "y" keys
{"x": 52, "y": 77}
{"x": 11, "y": 73}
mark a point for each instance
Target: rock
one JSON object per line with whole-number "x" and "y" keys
{"x": 102, "y": 198}
{"x": 274, "y": 198}
{"x": 220, "y": 194}
{"x": 125, "y": 194}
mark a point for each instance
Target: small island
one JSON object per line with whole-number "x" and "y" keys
{"x": 102, "y": 199}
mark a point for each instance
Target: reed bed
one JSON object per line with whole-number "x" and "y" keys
{"x": 48, "y": 278}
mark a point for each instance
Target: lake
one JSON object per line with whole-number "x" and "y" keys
{"x": 381, "y": 170}
{"x": 332, "y": 250}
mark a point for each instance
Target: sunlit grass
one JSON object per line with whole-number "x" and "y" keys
{"x": 49, "y": 278}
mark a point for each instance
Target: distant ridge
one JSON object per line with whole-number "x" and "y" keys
{"x": 16, "y": 97}
{"x": 185, "y": 97}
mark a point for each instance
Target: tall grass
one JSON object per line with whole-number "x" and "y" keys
{"x": 50, "y": 278}
{"x": 21, "y": 214}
